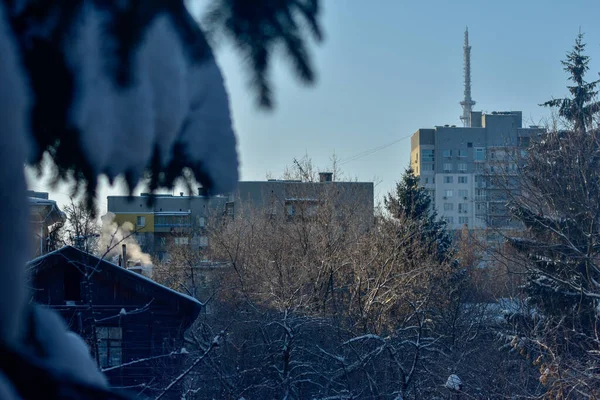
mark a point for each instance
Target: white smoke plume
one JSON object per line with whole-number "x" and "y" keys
{"x": 113, "y": 235}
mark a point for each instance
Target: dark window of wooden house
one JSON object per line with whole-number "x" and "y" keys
{"x": 110, "y": 351}
{"x": 72, "y": 284}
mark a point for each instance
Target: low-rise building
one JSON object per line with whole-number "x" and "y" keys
{"x": 134, "y": 326}
{"x": 182, "y": 220}
{"x": 44, "y": 213}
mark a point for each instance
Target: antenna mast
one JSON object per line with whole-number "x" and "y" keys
{"x": 468, "y": 103}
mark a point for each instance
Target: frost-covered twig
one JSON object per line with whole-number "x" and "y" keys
{"x": 214, "y": 343}
{"x": 141, "y": 360}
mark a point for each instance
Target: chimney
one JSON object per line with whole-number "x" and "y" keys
{"x": 325, "y": 176}
{"x": 124, "y": 248}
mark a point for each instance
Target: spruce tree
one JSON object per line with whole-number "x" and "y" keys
{"x": 44, "y": 31}
{"x": 581, "y": 106}
{"x": 412, "y": 201}
{"x": 559, "y": 247}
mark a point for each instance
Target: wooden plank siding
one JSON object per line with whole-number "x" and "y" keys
{"x": 152, "y": 324}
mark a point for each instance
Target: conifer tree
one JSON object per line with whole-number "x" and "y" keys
{"x": 580, "y": 108}
{"x": 412, "y": 201}
{"x": 559, "y": 248}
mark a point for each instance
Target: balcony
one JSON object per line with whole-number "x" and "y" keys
{"x": 172, "y": 219}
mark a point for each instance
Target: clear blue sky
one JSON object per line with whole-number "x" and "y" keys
{"x": 390, "y": 67}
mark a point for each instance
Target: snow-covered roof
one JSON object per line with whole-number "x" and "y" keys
{"x": 36, "y": 261}
{"x": 150, "y": 281}
{"x": 51, "y": 213}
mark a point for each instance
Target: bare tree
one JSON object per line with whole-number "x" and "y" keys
{"x": 81, "y": 228}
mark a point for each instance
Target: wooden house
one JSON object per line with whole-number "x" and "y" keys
{"x": 133, "y": 325}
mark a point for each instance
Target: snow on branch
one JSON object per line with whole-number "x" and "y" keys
{"x": 215, "y": 343}
{"x": 182, "y": 351}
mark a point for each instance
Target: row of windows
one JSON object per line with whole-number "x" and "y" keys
{"x": 185, "y": 240}
{"x": 479, "y": 153}
{"x": 140, "y": 221}
{"x": 449, "y": 167}
{"x": 461, "y": 220}
{"x": 462, "y": 193}
{"x": 459, "y": 153}
{"x": 462, "y": 207}
{"x": 450, "y": 179}
{"x": 172, "y": 220}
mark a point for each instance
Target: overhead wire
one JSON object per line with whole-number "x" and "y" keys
{"x": 373, "y": 150}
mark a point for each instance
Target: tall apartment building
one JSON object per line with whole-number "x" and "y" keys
{"x": 182, "y": 219}
{"x": 467, "y": 170}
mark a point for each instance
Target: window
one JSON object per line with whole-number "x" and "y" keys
{"x": 463, "y": 193}
{"x": 426, "y": 167}
{"x": 448, "y": 179}
{"x": 480, "y": 206}
{"x": 181, "y": 241}
{"x": 448, "y": 193}
{"x": 470, "y": 144}
{"x": 201, "y": 222}
{"x": 462, "y": 179}
{"x": 174, "y": 220}
{"x": 427, "y": 156}
{"x": 291, "y": 209}
{"x": 203, "y": 241}
{"x": 207, "y": 308}
{"x": 463, "y": 220}
{"x": 462, "y": 154}
{"x": 447, "y": 153}
{"x": 448, "y": 206}
{"x": 462, "y": 207}
{"x": 447, "y": 167}
{"x": 229, "y": 210}
{"x": 109, "y": 346}
{"x": 449, "y": 220}
{"x": 140, "y": 238}
{"x": 426, "y": 180}
{"x": 140, "y": 221}
{"x": 479, "y": 154}
{"x": 462, "y": 167}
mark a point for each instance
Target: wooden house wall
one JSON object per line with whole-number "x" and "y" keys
{"x": 156, "y": 331}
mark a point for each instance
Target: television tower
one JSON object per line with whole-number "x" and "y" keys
{"x": 468, "y": 103}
